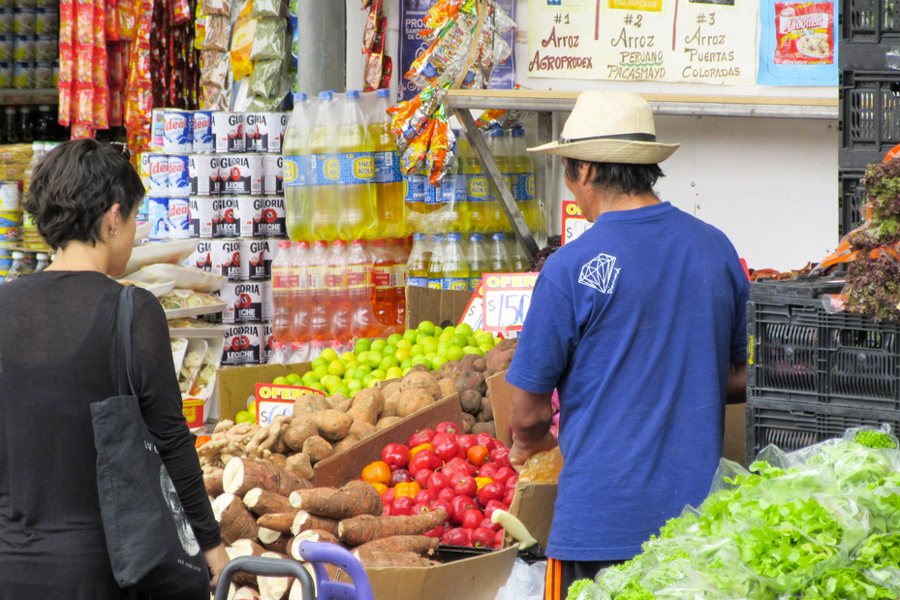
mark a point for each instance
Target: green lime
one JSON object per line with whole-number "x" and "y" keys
{"x": 332, "y": 382}
{"x": 437, "y": 361}
{"x": 321, "y": 371}
{"x": 244, "y": 417}
{"x": 426, "y": 327}
{"x": 329, "y": 354}
{"x": 336, "y": 367}
{"x": 455, "y": 353}
{"x": 394, "y": 338}
{"x": 280, "y": 381}
{"x": 451, "y": 330}
{"x": 410, "y": 335}
{"x": 316, "y": 385}
{"x": 430, "y": 345}
{"x": 459, "y": 340}
{"x": 344, "y": 390}
{"x": 361, "y": 345}
{"x": 464, "y": 328}
{"x": 374, "y": 382}
{"x": 293, "y": 379}
{"x": 473, "y": 350}
{"x": 351, "y": 364}
{"x": 402, "y": 354}
{"x": 471, "y": 341}
{"x": 379, "y": 373}
{"x": 438, "y": 331}
{"x": 374, "y": 358}
{"x": 404, "y": 343}
{"x": 393, "y": 373}
{"x": 354, "y": 385}
{"x": 362, "y": 357}
{"x": 485, "y": 338}
{"x": 420, "y": 339}
{"x": 389, "y": 361}
{"x": 378, "y": 345}
{"x": 406, "y": 370}
{"x": 485, "y": 347}
{"x": 406, "y": 363}
{"x": 317, "y": 362}
{"x": 367, "y": 380}
{"x": 389, "y": 350}
{"x": 308, "y": 377}
{"x": 348, "y": 356}
{"x": 421, "y": 360}
{"x": 416, "y": 350}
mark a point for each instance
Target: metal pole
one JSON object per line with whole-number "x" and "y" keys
{"x": 507, "y": 202}
{"x": 322, "y": 46}
{"x": 549, "y": 163}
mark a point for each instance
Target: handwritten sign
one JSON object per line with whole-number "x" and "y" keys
{"x": 474, "y": 313}
{"x": 697, "y": 41}
{"x": 507, "y": 297}
{"x": 573, "y": 222}
{"x": 276, "y": 400}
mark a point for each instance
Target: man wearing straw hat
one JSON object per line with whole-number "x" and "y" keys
{"x": 640, "y": 325}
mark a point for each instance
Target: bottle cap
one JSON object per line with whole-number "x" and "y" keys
{"x": 379, "y": 243}
{"x": 18, "y": 254}
{"x": 321, "y": 244}
{"x": 497, "y": 236}
{"x": 518, "y": 132}
{"x": 301, "y": 97}
{"x": 325, "y": 96}
{"x": 496, "y": 132}
{"x": 284, "y": 244}
{"x": 358, "y": 242}
{"x": 475, "y": 237}
{"x": 454, "y": 237}
{"x": 352, "y": 94}
{"x": 339, "y": 244}
{"x": 304, "y": 244}
{"x": 418, "y": 237}
{"x": 383, "y": 93}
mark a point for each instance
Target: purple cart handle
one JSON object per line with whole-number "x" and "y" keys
{"x": 273, "y": 567}
{"x": 317, "y": 553}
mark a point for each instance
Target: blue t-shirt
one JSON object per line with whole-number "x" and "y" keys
{"x": 635, "y": 323}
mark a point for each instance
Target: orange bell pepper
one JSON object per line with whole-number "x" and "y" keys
{"x": 482, "y": 481}
{"x": 477, "y": 455}
{"x": 425, "y": 446}
{"x": 201, "y": 439}
{"x": 377, "y": 472}
{"x": 380, "y": 487}
{"x": 407, "y": 489}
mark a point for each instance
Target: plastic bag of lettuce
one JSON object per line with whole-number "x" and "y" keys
{"x": 822, "y": 522}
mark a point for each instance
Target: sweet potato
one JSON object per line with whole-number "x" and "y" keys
{"x": 447, "y": 386}
{"x": 353, "y": 499}
{"x": 390, "y": 404}
{"x": 300, "y": 429}
{"x": 470, "y": 401}
{"x": 299, "y": 464}
{"x": 308, "y": 404}
{"x": 340, "y": 402}
{"x": 316, "y": 448}
{"x": 391, "y": 388}
{"x": 333, "y": 424}
{"x": 421, "y": 380}
{"x": 276, "y": 541}
{"x": 361, "y": 429}
{"x": 419, "y": 544}
{"x": 386, "y": 422}
{"x": 262, "y": 502}
{"x": 281, "y": 521}
{"x": 367, "y": 405}
{"x": 348, "y": 442}
{"x": 373, "y": 559}
{"x": 359, "y": 530}
{"x": 412, "y": 400}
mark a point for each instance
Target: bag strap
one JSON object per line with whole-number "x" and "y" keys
{"x": 124, "y": 318}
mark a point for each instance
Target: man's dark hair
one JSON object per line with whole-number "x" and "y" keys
{"x": 74, "y": 185}
{"x": 619, "y": 178}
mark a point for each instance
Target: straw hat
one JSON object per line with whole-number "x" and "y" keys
{"x": 610, "y": 127}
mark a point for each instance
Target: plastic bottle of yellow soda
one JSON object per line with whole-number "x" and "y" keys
{"x": 356, "y": 168}
{"x": 522, "y": 167}
{"x": 390, "y": 208}
{"x": 478, "y": 190}
{"x": 296, "y": 162}
{"x": 323, "y": 172}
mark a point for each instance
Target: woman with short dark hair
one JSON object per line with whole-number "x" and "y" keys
{"x": 57, "y": 356}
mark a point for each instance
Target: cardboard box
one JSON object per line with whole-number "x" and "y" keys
{"x": 476, "y": 578}
{"x": 501, "y": 404}
{"x": 735, "y": 443}
{"x": 343, "y": 467}
{"x": 437, "y": 306}
{"x": 236, "y": 386}
{"x": 534, "y": 505}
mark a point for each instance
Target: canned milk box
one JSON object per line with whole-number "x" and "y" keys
{"x": 273, "y": 175}
{"x": 158, "y": 216}
{"x": 242, "y": 345}
{"x": 6, "y": 20}
{"x": 266, "y": 342}
{"x": 264, "y": 132}
{"x": 46, "y": 47}
{"x": 24, "y": 21}
{"x": 201, "y": 258}
{"x": 248, "y": 213}
{"x": 178, "y": 131}
{"x": 226, "y": 221}
{"x": 225, "y": 258}
{"x": 203, "y": 171}
{"x": 248, "y": 305}
{"x": 203, "y": 133}
{"x": 240, "y": 174}
{"x": 157, "y": 126}
{"x": 6, "y": 74}
{"x": 6, "y": 48}
{"x": 228, "y": 132}
{"x": 179, "y": 175}
{"x": 270, "y": 219}
{"x": 256, "y": 260}
{"x": 23, "y": 74}
{"x": 158, "y": 174}
{"x": 268, "y": 307}
{"x": 202, "y": 216}
{"x": 46, "y": 21}
{"x": 179, "y": 218}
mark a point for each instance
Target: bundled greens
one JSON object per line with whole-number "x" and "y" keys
{"x": 819, "y": 523}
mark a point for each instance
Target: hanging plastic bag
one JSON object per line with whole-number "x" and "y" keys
{"x": 266, "y": 78}
{"x": 526, "y": 582}
{"x": 242, "y": 42}
{"x": 268, "y": 39}
{"x": 267, "y": 8}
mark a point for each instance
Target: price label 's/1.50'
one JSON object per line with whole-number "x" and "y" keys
{"x": 277, "y": 400}
{"x": 573, "y": 222}
{"x": 507, "y": 297}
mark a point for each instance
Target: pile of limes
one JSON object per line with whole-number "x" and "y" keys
{"x": 377, "y": 360}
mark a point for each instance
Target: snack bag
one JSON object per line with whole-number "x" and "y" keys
{"x": 242, "y": 42}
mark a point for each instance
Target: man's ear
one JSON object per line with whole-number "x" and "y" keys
{"x": 587, "y": 173}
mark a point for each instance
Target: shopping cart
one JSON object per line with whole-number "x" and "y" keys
{"x": 315, "y": 553}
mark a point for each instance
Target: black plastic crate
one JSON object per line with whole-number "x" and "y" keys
{"x": 800, "y": 352}
{"x": 793, "y": 425}
{"x": 853, "y": 196}
{"x": 870, "y": 21}
{"x": 870, "y": 115}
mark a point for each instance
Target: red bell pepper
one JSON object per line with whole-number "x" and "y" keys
{"x": 422, "y": 476}
{"x": 420, "y": 437}
{"x": 395, "y": 455}
{"x": 465, "y": 486}
{"x": 447, "y": 449}
{"x": 402, "y": 506}
{"x": 493, "y": 505}
{"x": 457, "y": 536}
{"x": 425, "y": 496}
{"x": 484, "y": 439}
{"x": 483, "y": 538}
{"x": 467, "y": 441}
{"x": 500, "y": 457}
{"x": 488, "y": 524}
{"x": 447, "y": 494}
{"x": 420, "y": 508}
{"x": 472, "y": 518}
{"x": 491, "y": 491}
{"x": 425, "y": 459}
{"x": 508, "y": 496}
{"x": 447, "y": 427}
{"x": 439, "y": 504}
{"x": 460, "y": 505}
{"x": 434, "y": 533}
{"x": 437, "y": 481}
{"x": 488, "y": 470}
{"x": 503, "y": 474}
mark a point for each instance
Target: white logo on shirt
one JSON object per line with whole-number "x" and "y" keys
{"x": 600, "y": 274}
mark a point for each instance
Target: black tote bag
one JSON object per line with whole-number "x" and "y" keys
{"x": 152, "y": 547}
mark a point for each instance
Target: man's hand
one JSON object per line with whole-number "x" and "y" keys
{"x": 518, "y": 454}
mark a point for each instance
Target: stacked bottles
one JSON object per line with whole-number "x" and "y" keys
{"x": 342, "y": 171}
{"x": 327, "y": 295}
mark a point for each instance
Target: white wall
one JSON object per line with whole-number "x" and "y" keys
{"x": 769, "y": 184}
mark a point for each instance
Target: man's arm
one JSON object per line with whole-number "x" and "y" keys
{"x": 737, "y": 383}
{"x": 532, "y": 416}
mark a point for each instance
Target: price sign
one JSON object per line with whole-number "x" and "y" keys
{"x": 474, "y": 313}
{"x": 573, "y": 222}
{"x": 276, "y": 400}
{"x": 507, "y": 297}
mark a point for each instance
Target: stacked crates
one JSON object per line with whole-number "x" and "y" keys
{"x": 869, "y": 96}
{"x": 813, "y": 373}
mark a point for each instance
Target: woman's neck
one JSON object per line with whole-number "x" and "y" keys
{"x": 78, "y": 256}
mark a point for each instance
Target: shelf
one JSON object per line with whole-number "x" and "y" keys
{"x": 662, "y": 104}
{"x": 29, "y": 96}
{"x": 22, "y": 249}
